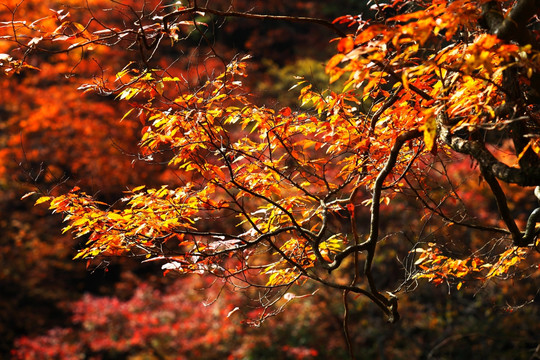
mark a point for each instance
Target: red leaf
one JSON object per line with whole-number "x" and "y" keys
{"x": 285, "y": 111}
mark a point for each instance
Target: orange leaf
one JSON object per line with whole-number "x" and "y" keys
{"x": 345, "y": 45}
{"x": 336, "y": 59}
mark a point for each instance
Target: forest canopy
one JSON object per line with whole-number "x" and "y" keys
{"x": 418, "y": 161}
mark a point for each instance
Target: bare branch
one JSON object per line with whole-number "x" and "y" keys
{"x": 245, "y": 15}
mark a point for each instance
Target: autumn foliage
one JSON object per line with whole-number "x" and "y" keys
{"x": 189, "y": 320}
{"x": 432, "y": 110}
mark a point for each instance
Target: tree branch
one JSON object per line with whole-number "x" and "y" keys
{"x": 389, "y": 102}
{"x": 343, "y": 254}
{"x": 534, "y": 217}
{"x": 245, "y": 15}
{"x": 503, "y": 206}
{"x": 375, "y": 218}
{"x": 522, "y": 177}
{"x": 513, "y": 27}
{"x": 445, "y": 217}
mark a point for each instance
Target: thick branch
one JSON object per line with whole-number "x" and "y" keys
{"x": 503, "y": 206}
{"x": 530, "y": 229}
{"x": 522, "y": 177}
{"x": 375, "y": 210}
{"x": 534, "y": 217}
{"x": 377, "y": 188}
{"x": 346, "y": 252}
{"x": 390, "y": 306}
{"x": 513, "y": 26}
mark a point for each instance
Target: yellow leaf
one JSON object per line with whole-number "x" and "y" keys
{"x": 536, "y": 146}
{"x": 127, "y": 113}
{"x": 79, "y": 222}
{"x": 114, "y": 216}
{"x": 80, "y": 254}
{"x": 430, "y": 132}
{"x": 42, "y": 200}
{"x": 79, "y": 27}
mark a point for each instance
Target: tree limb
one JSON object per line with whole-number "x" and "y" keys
{"x": 503, "y": 206}
{"x": 246, "y": 15}
{"x": 522, "y": 177}
{"x": 513, "y": 27}
{"x": 375, "y": 219}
